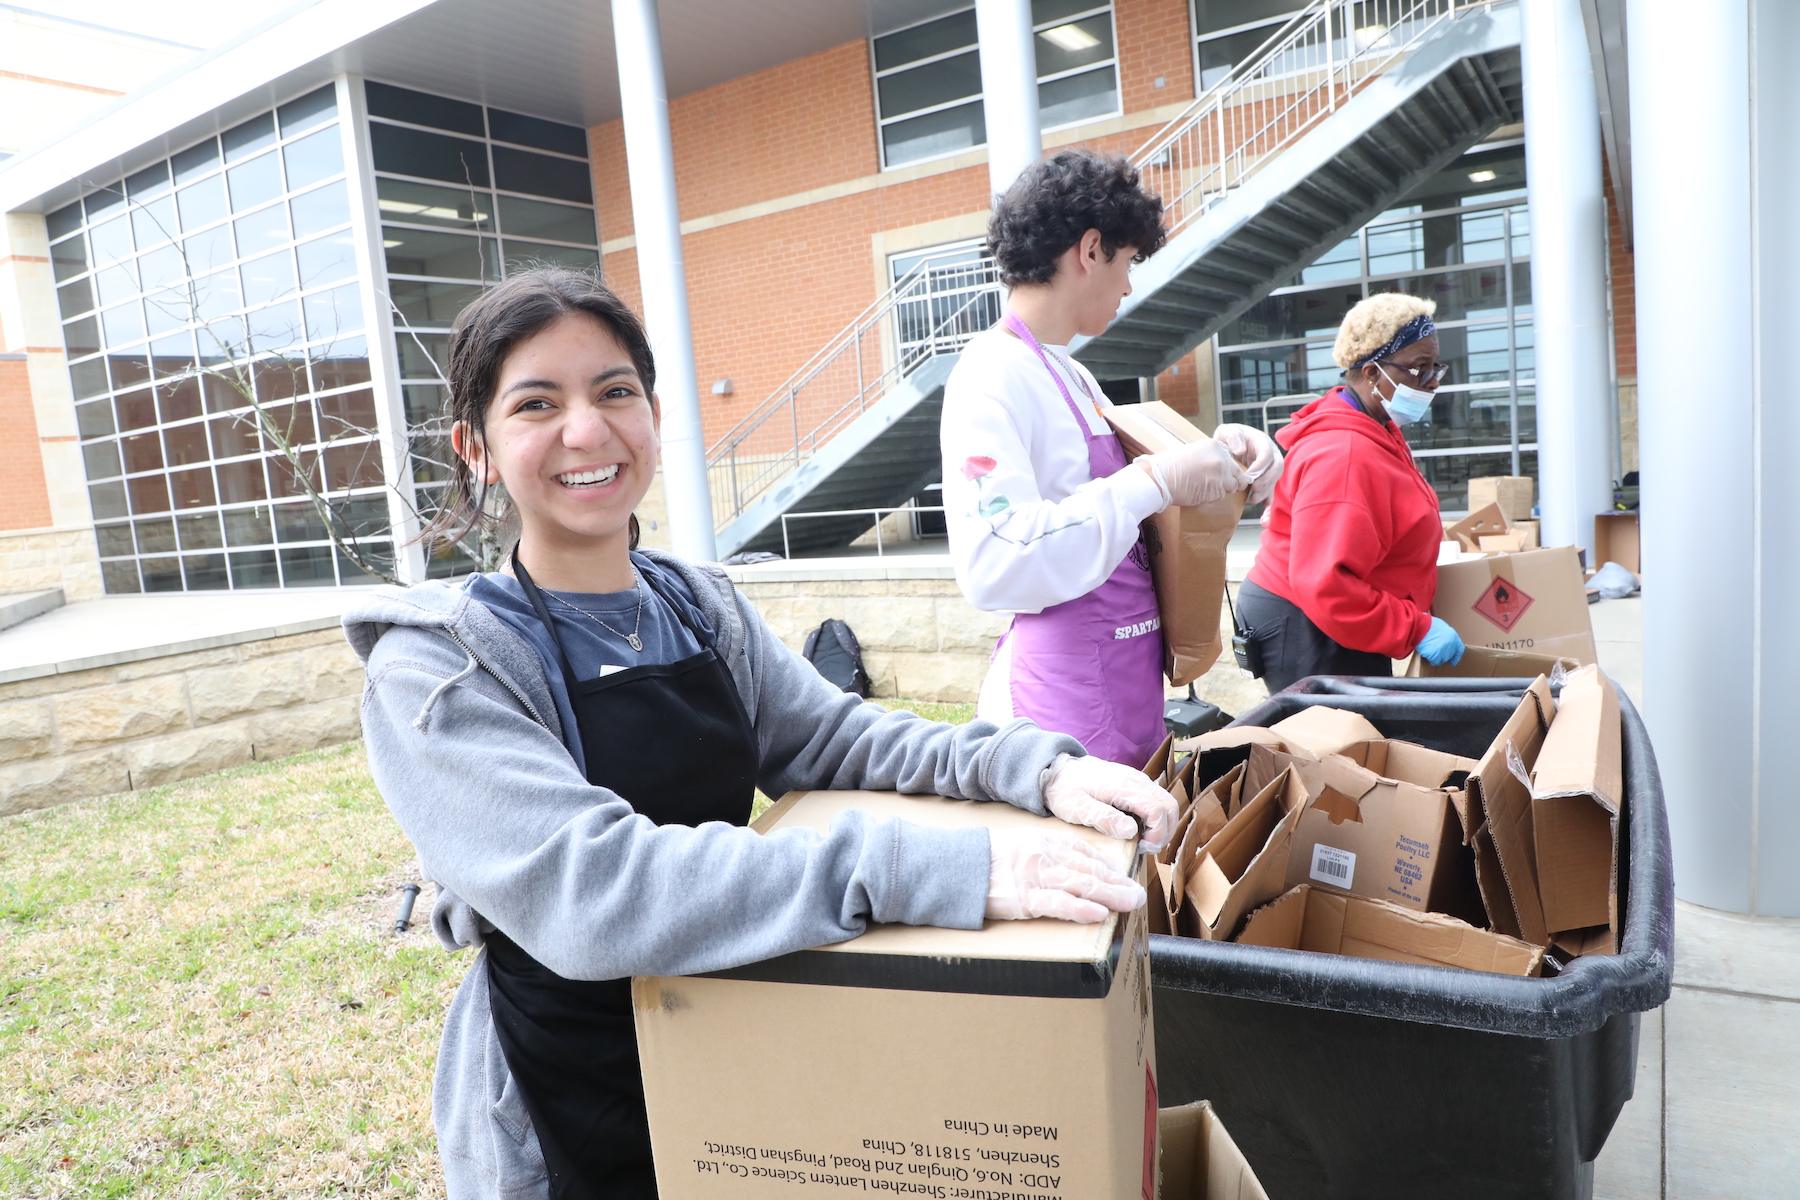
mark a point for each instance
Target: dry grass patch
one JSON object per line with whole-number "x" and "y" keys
{"x": 201, "y": 993}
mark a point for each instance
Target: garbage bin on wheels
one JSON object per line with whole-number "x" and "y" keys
{"x": 1353, "y": 1079}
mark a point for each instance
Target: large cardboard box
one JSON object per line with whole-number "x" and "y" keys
{"x": 1019, "y": 1058}
{"x": 1187, "y": 546}
{"x": 1577, "y": 793}
{"x": 1384, "y": 820}
{"x": 1199, "y": 1159}
{"x": 1616, "y": 540}
{"x": 1503, "y": 831}
{"x": 1533, "y": 601}
{"x": 1511, "y": 492}
{"x": 1308, "y": 918}
{"x": 1319, "y": 730}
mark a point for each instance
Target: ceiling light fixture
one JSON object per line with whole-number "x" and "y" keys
{"x": 436, "y": 212}
{"x": 1482, "y": 177}
{"x": 1071, "y": 38}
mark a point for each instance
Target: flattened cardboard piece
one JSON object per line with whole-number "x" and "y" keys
{"x": 1616, "y": 540}
{"x": 1187, "y": 546}
{"x": 1579, "y": 943}
{"x": 1320, "y": 729}
{"x": 1533, "y": 601}
{"x": 1162, "y": 889}
{"x": 1510, "y": 542}
{"x": 1378, "y": 837}
{"x": 1158, "y": 766}
{"x": 1311, "y": 918}
{"x": 1481, "y": 523}
{"x": 836, "y": 1081}
{"x": 1510, "y": 493}
{"x": 1482, "y": 662}
{"x": 1222, "y": 749}
{"x": 1502, "y": 784}
{"x": 1199, "y": 1161}
{"x": 1577, "y": 791}
{"x": 1532, "y": 531}
{"x": 1205, "y": 817}
{"x": 1245, "y": 864}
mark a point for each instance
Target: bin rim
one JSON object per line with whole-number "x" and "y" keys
{"x": 1585, "y": 995}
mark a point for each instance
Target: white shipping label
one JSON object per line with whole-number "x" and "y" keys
{"x": 1333, "y": 866}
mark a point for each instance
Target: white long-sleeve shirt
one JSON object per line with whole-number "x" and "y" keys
{"x": 1029, "y": 525}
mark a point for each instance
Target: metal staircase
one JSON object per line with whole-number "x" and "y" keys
{"x": 1346, "y": 108}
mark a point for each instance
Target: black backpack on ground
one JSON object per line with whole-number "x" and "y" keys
{"x": 833, "y": 651}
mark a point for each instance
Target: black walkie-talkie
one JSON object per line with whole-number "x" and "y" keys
{"x": 1244, "y": 647}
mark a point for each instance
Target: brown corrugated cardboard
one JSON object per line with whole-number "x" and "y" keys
{"x": 1383, "y": 820}
{"x": 1309, "y": 918}
{"x": 1245, "y": 864}
{"x": 1533, "y": 601}
{"x": 1480, "y": 662}
{"x": 1217, "y": 752}
{"x": 1016, "y": 1058}
{"x": 1469, "y": 531}
{"x": 1187, "y": 546}
{"x": 1577, "y": 786}
{"x": 1199, "y": 1159}
{"x": 1504, "y": 840}
{"x": 1532, "y": 532}
{"x": 1511, "y": 493}
{"x": 1616, "y": 540}
{"x": 1320, "y": 729}
{"x": 1510, "y": 542}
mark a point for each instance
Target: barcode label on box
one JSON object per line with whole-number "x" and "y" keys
{"x": 1333, "y": 866}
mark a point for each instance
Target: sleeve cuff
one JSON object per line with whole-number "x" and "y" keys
{"x": 940, "y": 876}
{"x": 1139, "y": 493}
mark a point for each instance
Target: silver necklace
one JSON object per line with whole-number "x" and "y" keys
{"x": 631, "y": 639}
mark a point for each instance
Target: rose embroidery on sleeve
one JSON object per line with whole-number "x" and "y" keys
{"x": 977, "y": 465}
{"x": 976, "y": 468}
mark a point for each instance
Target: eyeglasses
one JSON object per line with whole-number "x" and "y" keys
{"x": 1427, "y": 376}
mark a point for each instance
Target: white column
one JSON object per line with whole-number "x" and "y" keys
{"x": 1568, "y": 272}
{"x": 662, "y": 274}
{"x": 1009, "y": 94}
{"x": 1712, "y": 648}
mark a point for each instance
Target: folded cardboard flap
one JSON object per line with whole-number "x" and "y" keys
{"x": 1504, "y": 837}
{"x": 1468, "y": 532}
{"x": 1187, "y": 546}
{"x": 1199, "y": 1161}
{"x": 1319, "y": 730}
{"x": 1511, "y": 493}
{"x": 1485, "y": 662}
{"x": 1310, "y": 918}
{"x": 1533, "y": 601}
{"x": 1217, "y": 752}
{"x": 1577, "y": 788}
{"x": 1245, "y": 863}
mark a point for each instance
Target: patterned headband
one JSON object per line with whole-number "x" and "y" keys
{"x": 1417, "y": 329}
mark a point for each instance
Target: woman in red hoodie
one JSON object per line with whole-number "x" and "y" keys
{"x": 1347, "y": 570}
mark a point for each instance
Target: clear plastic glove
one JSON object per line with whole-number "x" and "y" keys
{"x": 1054, "y": 875}
{"x": 1196, "y": 473}
{"x": 1105, "y": 796}
{"x": 1441, "y": 644}
{"x": 1257, "y": 453}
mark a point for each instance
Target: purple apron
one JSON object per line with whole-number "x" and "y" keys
{"x": 1092, "y": 667}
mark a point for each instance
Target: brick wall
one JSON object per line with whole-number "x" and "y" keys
{"x": 1623, "y": 267}
{"x": 24, "y": 500}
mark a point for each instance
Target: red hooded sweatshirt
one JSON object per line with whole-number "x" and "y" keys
{"x": 1352, "y": 531}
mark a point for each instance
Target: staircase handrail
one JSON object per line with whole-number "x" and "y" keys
{"x": 1271, "y": 99}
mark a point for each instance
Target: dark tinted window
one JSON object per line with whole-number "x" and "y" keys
{"x": 538, "y": 175}
{"x": 148, "y": 182}
{"x": 64, "y": 221}
{"x": 431, "y": 155}
{"x": 309, "y": 110}
{"x": 504, "y": 126}
{"x": 416, "y": 108}
{"x": 923, "y": 41}
{"x": 196, "y": 160}
{"x": 249, "y": 137}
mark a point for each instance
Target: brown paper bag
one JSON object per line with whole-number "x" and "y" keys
{"x": 1187, "y": 546}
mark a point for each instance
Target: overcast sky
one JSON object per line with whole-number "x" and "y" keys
{"x": 201, "y": 23}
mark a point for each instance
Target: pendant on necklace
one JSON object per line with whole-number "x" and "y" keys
{"x": 635, "y": 641}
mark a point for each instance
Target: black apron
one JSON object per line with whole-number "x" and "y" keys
{"x": 674, "y": 741}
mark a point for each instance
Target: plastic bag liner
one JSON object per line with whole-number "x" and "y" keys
{"x": 1347, "y": 1077}
{"x": 1614, "y": 582}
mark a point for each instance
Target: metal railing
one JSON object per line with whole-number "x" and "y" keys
{"x": 787, "y": 550}
{"x": 934, "y": 309}
{"x": 1310, "y": 66}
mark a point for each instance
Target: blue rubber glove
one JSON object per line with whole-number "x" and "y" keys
{"x": 1441, "y": 644}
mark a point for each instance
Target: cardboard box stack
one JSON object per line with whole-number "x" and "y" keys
{"x": 1320, "y": 834}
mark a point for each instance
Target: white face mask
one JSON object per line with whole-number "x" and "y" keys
{"x": 1407, "y": 404}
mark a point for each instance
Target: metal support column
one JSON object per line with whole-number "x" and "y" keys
{"x": 1009, "y": 92}
{"x": 662, "y": 274}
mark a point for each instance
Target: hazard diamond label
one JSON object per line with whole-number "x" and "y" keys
{"x": 1503, "y": 603}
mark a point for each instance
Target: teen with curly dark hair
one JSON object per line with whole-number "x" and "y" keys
{"x": 1043, "y": 513}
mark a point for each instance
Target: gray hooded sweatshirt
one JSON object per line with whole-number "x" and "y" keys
{"x": 466, "y": 746}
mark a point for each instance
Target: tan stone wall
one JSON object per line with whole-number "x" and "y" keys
{"x": 34, "y": 559}
{"x": 140, "y": 724}
{"x": 920, "y": 638}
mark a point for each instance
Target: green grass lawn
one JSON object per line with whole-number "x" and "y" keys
{"x": 201, "y": 994}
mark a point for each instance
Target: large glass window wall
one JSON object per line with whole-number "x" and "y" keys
{"x": 465, "y": 194}
{"x": 215, "y": 336}
{"x": 1462, "y": 239}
